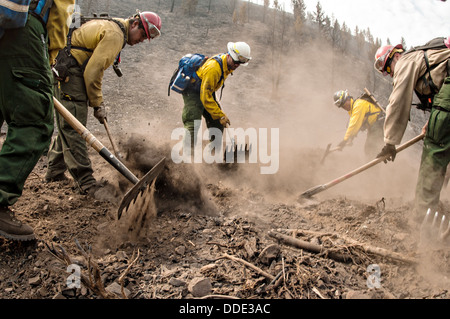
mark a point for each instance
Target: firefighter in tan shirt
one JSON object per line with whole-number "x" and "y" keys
{"x": 94, "y": 47}
{"x": 410, "y": 74}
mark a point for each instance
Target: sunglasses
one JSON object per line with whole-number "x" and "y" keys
{"x": 152, "y": 29}
{"x": 242, "y": 60}
{"x": 382, "y": 67}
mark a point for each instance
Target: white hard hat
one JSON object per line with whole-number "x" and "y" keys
{"x": 239, "y": 52}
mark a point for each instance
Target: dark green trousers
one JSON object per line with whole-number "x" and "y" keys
{"x": 435, "y": 154}
{"x": 374, "y": 140}
{"x": 69, "y": 150}
{"x": 193, "y": 112}
{"x": 26, "y": 105}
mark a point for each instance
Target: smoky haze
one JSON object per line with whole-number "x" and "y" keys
{"x": 301, "y": 106}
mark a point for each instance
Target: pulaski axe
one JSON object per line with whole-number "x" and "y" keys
{"x": 317, "y": 189}
{"x": 139, "y": 184}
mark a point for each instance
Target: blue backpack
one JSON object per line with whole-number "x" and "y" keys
{"x": 14, "y": 13}
{"x": 185, "y": 75}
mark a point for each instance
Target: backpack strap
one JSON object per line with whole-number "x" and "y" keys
{"x": 365, "y": 123}
{"x": 69, "y": 45}
{"x": 218, "y": 58}
{"x": 40, "y": 9}
{"x": 430, "y": 81}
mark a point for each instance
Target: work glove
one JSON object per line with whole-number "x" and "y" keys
{"x": 389, "y": 151}
{"x": 100, "y": 113}
{"x": 224, "y": 121}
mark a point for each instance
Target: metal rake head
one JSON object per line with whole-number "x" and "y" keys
{"x": 435, "y": 226}
{"x": 237, "y": 153}
{"x": 132, "y": 195}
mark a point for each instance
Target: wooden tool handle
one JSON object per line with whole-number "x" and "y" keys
{"x": 92, "y": 141}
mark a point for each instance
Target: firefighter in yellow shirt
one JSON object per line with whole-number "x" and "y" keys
{"x": 202, "y": 102}
{"x": 364, "y": 115}
{"x": 94, "y": 47}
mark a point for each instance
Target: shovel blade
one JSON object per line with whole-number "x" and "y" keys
{"x": 139, "y": 187}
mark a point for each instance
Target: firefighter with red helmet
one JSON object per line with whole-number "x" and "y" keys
{"x": 93, "y": 47}
{"x": 426, "y": 73}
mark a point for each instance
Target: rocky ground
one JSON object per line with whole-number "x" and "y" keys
{"x": 206, "y": 231}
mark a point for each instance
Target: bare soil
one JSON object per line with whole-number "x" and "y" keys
{"x": 220, "y": 223}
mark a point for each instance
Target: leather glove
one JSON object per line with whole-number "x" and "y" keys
{"x": 224, "y": 121}
{"x": 389, "y": 151}
{"x": 100, "y": 113}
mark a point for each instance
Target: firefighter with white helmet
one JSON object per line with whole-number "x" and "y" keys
{"x": 202, "y": 102}
{"x": 239, "y": 51}
{"x": 93, "y": 47}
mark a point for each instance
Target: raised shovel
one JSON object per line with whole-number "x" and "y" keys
{"x": 139, "y": 184}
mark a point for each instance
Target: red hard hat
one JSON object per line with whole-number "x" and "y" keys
{"x": 152, "y": 24}
{"x": 382, "y": 56}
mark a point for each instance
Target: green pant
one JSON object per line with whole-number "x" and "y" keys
{"x": 26, "y": 105}
{"x": 192, "y": 114}
{"x": 374, "y": 139}
{"x": 435, "y": 154}
{"x": 69, "y": 150}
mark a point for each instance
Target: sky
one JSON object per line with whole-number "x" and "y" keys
{"x": 417, "y": 21}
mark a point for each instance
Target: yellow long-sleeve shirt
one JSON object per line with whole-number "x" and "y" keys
{"x": 57, "y": 26}
{"x": 105, "y": 38}
{"x": 361, "y": 111}
{"x": 210, "y": 74}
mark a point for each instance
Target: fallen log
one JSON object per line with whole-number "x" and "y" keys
{"x": 365, "y": 247}
{"x": 298, "y": 243}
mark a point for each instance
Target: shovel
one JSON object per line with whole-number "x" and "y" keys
{"x": 317, "y": 189}
{"x": 139, "y": 184}
{"x": 118, "y": 154}
{"x": 374, "y": 100}
{"x": 328, "y": 151}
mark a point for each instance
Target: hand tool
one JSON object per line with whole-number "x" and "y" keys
{"x": 139, "y": 184}
{"x": 320, "y": 188}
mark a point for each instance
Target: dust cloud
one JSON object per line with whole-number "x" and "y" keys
{"x": 300, "y": 107}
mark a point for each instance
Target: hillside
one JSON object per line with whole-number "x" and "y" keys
{"x": 205, "y": 231}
